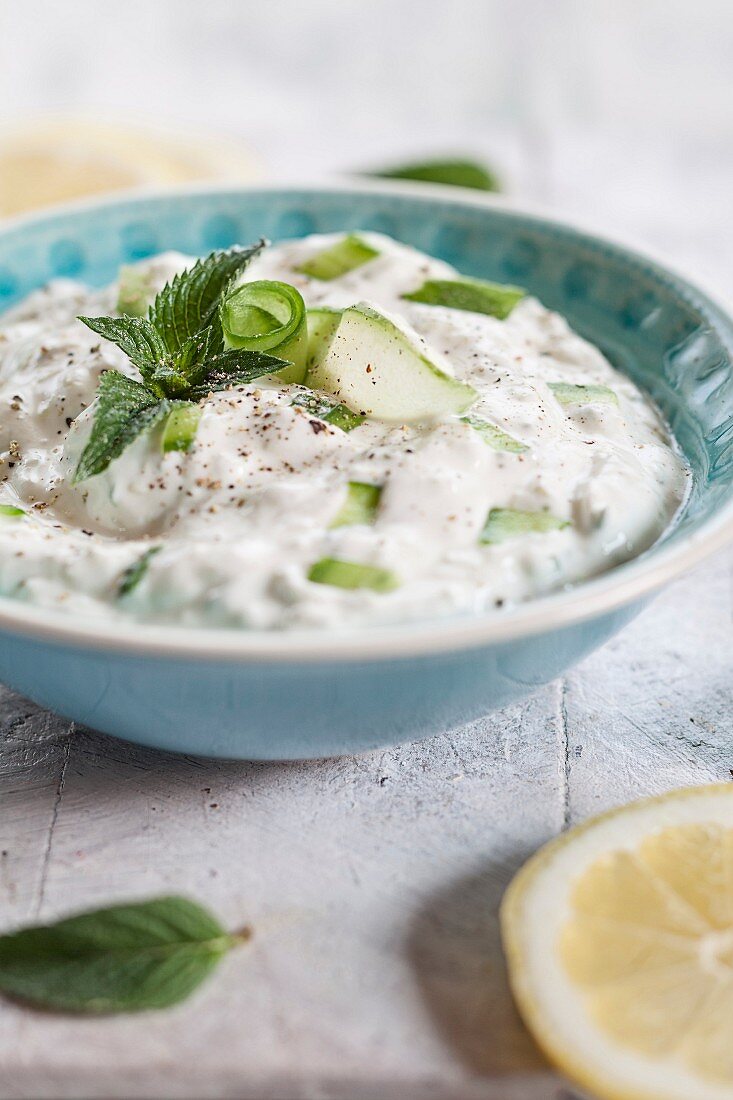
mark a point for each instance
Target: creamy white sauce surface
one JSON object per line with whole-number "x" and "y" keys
{"x": 238, "y": 521}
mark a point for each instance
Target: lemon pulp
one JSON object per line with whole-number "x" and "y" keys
{"x": 650, "y": 942}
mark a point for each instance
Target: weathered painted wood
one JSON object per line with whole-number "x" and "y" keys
{"x": 372, "y": 884}
{"x": 653, "y": 710}
{"x": 34, "y": 752}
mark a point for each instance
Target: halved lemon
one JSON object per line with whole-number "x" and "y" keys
{"x": 619, "y": 942}
{"x": 53, "y": 160}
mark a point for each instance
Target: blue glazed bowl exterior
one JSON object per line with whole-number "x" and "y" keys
{"x": 286, "y": 710}
{"x": 317, "y": 698}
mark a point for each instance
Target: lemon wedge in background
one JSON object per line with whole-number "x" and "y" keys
{"x": 55, "y": 160}
{"x": 619, "y": 942}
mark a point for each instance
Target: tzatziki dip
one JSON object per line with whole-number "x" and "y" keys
{"x": 330, "y": 432}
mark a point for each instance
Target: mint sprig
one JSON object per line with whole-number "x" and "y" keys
{"x": 180, "y": 353}
{"x": 124, "y": 958}
{"x": 191, "y": 301}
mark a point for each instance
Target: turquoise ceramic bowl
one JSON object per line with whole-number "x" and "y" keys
{"x": 265, "y": 696}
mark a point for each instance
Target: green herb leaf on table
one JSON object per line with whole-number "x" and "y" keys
{"x": 125, "y": 958}
{"x": 179, "y": 351}
{"x": 454, "y": 173}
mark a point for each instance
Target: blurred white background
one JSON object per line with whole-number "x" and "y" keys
{"x": 617, "y": 111}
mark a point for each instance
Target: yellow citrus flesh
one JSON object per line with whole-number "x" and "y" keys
{"x": 619, "y": 938}
{"x": 58, "y": 160}
{"x": 33, "y": 177}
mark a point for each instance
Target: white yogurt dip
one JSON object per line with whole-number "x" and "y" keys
{"x": 229, "y": 531}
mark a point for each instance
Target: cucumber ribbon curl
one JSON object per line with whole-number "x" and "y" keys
{"x": 268, "y": 316}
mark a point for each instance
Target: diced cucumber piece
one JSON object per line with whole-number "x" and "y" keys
{"x": 378, "y": 367}
{"x": 352, "y": 574}
{"x": 339, "y": 259}
{"x": 180, "y": 427}
{"x": 268, "y": 316}
{"x": 135, "y": 292}
{"x": 506, "y": 523}
{"x": 495, "y": 437}
{"x": 315, "y": 404}
{"x": 362, "y": 502}
{"x": 134, "y": 573}
{"x": 569, "y": 394}
{"x": 338, "y": 415}
{"x": 10, "y": 510}
{"x": 344, "y": 418}
{"x": 322, "y": 324}
{"x": 471, "y": 295}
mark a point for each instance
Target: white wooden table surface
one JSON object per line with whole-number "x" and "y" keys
{"x": 373, "y": 883}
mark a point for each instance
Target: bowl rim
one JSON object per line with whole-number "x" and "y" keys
{"x": 610, "y": 592}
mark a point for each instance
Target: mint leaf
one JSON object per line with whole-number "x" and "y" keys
{"x": 134, "y": 573}
{"x": 165, "y": 374}
{"x": 119, "y": 959}
{"x": 124, "y": 409}
{"x": 195, "y": 356}
{"x": 198, "y": 349}
{"x": 190, "y": 302}
{"x": 235, "y": 367}
{"x": 455, "y": 173}
{"x": 135, "y": 336}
